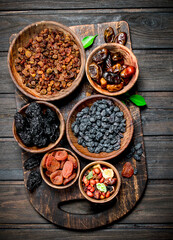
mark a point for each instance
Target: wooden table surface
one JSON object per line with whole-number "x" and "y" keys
{"x": 151, "y": 27}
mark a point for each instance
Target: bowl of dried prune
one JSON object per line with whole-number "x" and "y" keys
{"x": 38, "y": 127}
{"x": 112, "y": 69}
{"x": 60, "y": 168}
{"x": 46, "y": 61}
{"x": 99, "y": 182}
{"x": 99, "y": 127}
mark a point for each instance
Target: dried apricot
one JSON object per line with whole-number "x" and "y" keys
{"x": 67, "y": 169}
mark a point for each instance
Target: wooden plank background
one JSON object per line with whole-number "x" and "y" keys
{"x": 151, "y": 34}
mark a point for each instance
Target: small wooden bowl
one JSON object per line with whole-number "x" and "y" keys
{"x": 21, "y": 39}
{"x": 83, "y": 152}
{"x": 47, "y": 179}
{"x": 51, "y": 145}
{"x": 117, "y": 187}
{"x": 129, "y": 59}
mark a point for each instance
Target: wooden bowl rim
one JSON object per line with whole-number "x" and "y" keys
{"x": 117, "y": 186}
{"x": 79, "y": 76}
{"x": 45, "y": 149}
{"x": 49, "y": 182}
{"x": 131, "y": 129}
{"x": 106, "y": 92}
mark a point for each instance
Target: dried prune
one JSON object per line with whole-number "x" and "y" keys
{"x": 109, "y": 35}
{"x": 36, "y": 125}
{"x": 51, "y": 116}
{"x": 121, "y": 38}
{"x": 26, "y": 137}
{"x": 19, "y": 122}
{"x": 33, "y": 110}
{"x": 54, "y": 133}
{"x": 34, "y": 180}
{"x": 32, "y": 162}
{"x": 100, "y": 56}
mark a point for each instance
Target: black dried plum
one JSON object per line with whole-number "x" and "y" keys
{"x": 33, "y": 110}
{"x": 54, "y": 132}
{"x": 26, "y": 138}
{"x": 19, "y": 122}
{"x": 51, "y": 116}
{"x": 34, "y": 180}
{"x": 32, "y": 162}
{"x": 36, "y": 125}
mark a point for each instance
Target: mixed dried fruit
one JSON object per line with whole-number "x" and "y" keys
{"x": 100, "y": 127}
{"x": 109, "y": 71}
{"x": 60, "y": 167}
{"x": 99, "y": 182}
{"x": 128, "y": 170}
{"x": 38, "y": 126}
{"x": 49, "y": 62}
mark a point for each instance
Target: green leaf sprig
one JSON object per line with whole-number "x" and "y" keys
{"x": 88, "y": 41}
{"x": 137, "y": 99}
{"x": 90, "y": 175}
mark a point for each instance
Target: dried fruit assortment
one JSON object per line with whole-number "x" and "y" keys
{"x": 49, "y": 62}
{"x": 38, "y": 126}
{"x": 100, "y": 127}
{"x": 60, "y": 167}
{"x": 109, "y": 71}
{"x": 99, "y": 182}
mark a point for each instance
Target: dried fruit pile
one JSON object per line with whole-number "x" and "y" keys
{"x": 49, "y": 62}
{"x": 109, "y": 71}
{"x": 100, "y": 127}
{"x": 37, "y": 127}
{"x": 99, "y": 182}
{"x": 60, "y": 166}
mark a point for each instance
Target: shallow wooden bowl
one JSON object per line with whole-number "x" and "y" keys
{"x": 117, "y": 187}
{"x": 21, "y": 39}
{"x": 51, "y": 145}
{"x": 129, "y": 59}
{"x": 47, "y": 179}
{"x": 87, "y": 102}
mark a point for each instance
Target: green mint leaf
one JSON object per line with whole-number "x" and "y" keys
{"x": 88, "y": 41}
{"x": 90, "y": 175}
{"x": 101, "y": 187}
{"x": 137, "y": 100}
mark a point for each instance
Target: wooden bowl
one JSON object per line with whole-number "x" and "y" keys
{"x": 51, "y": 145}
{"x": 129, "y": 59}
{"x": 117, "y": 188}
{"x": 47, "y": 179}
{"x": 79, "y": 149}
{"x": 21, "y": 39}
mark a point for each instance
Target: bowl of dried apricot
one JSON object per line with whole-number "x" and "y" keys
{"x": 60, "y": 168}
{"x": 46, "y": 61}
{"x": 112, "y": 69}
{"x": 99, "y": 182}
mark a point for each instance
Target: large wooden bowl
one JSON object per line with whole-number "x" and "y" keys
{"x": 87, "y": 102}
{"x": 117, "y": 187}
{"x": 47, "y": 179}
{"x": 129, "y": 59}
{"x": 21, "y": 39}
{"x": 35, "y": 149}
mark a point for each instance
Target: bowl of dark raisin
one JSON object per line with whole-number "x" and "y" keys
{"x": 99, "y": 127}
{"x": 38, "y": 127}
{"x": 99, "y": 182}
{"x": 112, "y": 69}
{"x": 46, "y": 61}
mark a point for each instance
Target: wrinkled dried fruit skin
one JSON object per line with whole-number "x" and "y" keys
{"x": 19, "y": 122}
{"x": 73, "y": 160}
{"x": 116, "y": 68}
{"x": 100, "y": 56}
{"x": 34, "y": 180}
{"x": 121, "y": 38}
{"x": 117, "y": 57}
{"x": 56, "y": 177}
{"x": 108, "y": 61}
{"x": 32, "y": 162}
{"x": 114, "y": 88}
{"x": 127, "y": 170}
{"x": 109, "y": 35}
{"x": 111, "y": 78}
{"x": 67, "y": 169}
{"x": 95, "y": 71}
{"x": 128, "y": 72}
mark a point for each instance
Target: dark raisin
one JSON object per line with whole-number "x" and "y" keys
{"x": 138, "y": 146}
{"x": 137, "y": 157}
{"x": 135, "y": 171}
{"x": 19, "y": 122}
{"x": 33, "y": 110}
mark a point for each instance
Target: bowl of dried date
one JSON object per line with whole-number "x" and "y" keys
{"x": 99, "y": 128}
{"x": 38, "y": 127}
{"x": 46, "y": 61}
{"x": 99, "y": 182}
{"x": 60, "y": 168}
{"x": 112, "y": 69}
